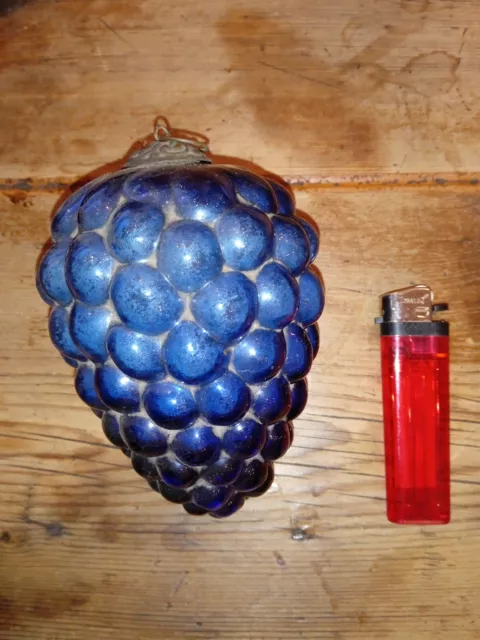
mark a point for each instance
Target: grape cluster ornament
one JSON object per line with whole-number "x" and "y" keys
{"x": 183, "y": 296}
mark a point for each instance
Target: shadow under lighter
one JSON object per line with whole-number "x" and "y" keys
{"x": 415, "y": 380}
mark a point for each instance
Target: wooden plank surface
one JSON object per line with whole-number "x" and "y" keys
{"x": 86, "y": 547}
{"x": 382, "y": 95}
{"x": 306, "y": 87}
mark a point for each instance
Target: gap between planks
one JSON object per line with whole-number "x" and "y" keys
{"x": 298, "y": 183}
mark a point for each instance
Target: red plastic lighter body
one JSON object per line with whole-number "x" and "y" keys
{"x": 415, "y": 384}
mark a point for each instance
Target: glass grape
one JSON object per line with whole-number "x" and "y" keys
{"x": 186, "y": 300}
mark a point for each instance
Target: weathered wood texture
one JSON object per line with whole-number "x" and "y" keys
{"x": 306, "y": 88}
{"x": 320, "y": 92}
{"x": 87, "y": 547}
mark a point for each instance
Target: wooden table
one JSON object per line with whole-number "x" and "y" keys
{"x": 371, "y": 111}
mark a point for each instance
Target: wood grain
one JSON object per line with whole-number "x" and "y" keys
{"x": 312, "y": 87}
{"x": 371, "y": 110}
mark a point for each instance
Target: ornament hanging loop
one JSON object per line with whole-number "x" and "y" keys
{"x": 162, "y": 130}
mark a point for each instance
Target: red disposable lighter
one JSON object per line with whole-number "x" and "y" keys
{"x": 415, "y": 362}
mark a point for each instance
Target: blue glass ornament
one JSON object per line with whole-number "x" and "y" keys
{"x": 285, "y": 199}
{"x": 170, "y": 405}
{"x": 144, "y": 299}
{"x": 277, "y": 296}
{"x": 314, "y": 337}
{"x": 230, "y": 507}
{"x": 225, "y": 400}
{"x": 111, "y": 428}
{"x": 191, "y": 355}
{"x": 226, "y": 307}
{"x": 299, "y": 353}
{"x": 60, "y": 335}
{"x": 224, "y": 471}
{"x": 265, "y": 485}
{"x": 89, "y": 269}
{"x": 51, "y": 275}
{"x": 98, "y": 203}
{"x": 278, "y": 441}
{"x": 144, "y": 466}
{"x": 313, "y": 238}
{"x": 175, "y": 473}
{"x": 183, "y": 294}
{"x": 244, "y": 439}
{"x": 200, "y": 197}
{"x": 253, "y": 190}
{"x": 137, "y": 355}
{"x": 252, "y": 476}
{"x": 143, "y": 436}
{"x": 312, "y": 297}
{"x": 189, "y": 255}
{"x": 116, "y": 390}
{"x": 246, "y": 237}
{"x": 211, "y": 498}
{"x": 196, "y": 446}
{"x": 88, "y": 328}
{"x": 299, "y": 399}
{"x": 291, "y": 246}
{"x": 177, "y": 496}
{"x": 134, "y": 231}
{"x": 85, "y": 387}
{"x": 273, "y": 400}
{"x": 194, "y": 510}
{"x": 260, "y": 355}
{"x": 65, "y": 223}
